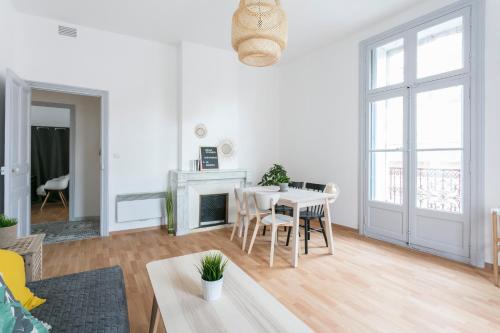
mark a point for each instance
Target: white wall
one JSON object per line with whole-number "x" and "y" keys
{"x": 492, "y": 117}
{"x": 319, "y": 103}
{"x": 140, "y": 77}
{"x": 234, "y": 101}
{"x": 209, "y": 95}
{"x": 50, "y": 116}
{"x": 87, "y": 134}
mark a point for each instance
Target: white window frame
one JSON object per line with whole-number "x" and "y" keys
{"x": 473, "y": 71}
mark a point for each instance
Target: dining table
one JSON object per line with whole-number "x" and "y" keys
{"x": 298, "y": 199}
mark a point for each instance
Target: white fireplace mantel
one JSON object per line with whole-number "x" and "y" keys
{"x": 188, "y": 185}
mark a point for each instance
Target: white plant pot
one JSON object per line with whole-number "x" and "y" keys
{"x": 8, "y": 236}
{"x": 212, "y": 290}
{"x": 284, "y": 187}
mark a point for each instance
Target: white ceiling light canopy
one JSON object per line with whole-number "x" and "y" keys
{"x": 259, "y": 32}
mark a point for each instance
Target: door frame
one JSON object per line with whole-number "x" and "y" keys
{"x": 72, "y": 143}
{"x": 104, "y": 95}
{"x": 476, "y": 57}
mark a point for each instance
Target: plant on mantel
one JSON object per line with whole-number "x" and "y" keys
{"x": 276, "y": 175}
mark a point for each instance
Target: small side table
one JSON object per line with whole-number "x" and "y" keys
{"x": 30, "y": 248}
{"x": 496, "y": 246}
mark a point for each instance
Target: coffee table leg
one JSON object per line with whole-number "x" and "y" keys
{"x": 295, "y": 240}
{"x": 155, "y": 317}
{"x": 328, "y": 226}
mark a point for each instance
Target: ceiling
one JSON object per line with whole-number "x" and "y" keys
{"x": 312, "y": 23}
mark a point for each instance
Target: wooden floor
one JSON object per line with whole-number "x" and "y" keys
{"x": 52, "y": 212}
{"x": 367, "y": 286}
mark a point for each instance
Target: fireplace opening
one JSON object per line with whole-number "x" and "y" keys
{"x": 213, "y": 209}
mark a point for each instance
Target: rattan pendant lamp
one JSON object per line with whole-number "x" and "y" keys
{"x": 259, "y": 32}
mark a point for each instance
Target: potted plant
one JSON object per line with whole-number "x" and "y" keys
{"x": 8, "y": 231}
{"x": 169, "y": 207}
{"x": 211, "y": 270}
{"x": 276, "y": 176}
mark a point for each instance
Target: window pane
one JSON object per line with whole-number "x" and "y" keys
{"x": 386, "y": 177}
{"x": 440, "y": 48}
{"x": 439, "y": 180}
{"x": 387, "y": 64}
{"x": 387, "y": 124}
{"x": 439, "y": 118}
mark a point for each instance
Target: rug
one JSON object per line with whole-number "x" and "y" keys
{"x": 56, "y": 232}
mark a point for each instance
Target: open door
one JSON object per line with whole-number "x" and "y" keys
{"x": 17, "y": 151}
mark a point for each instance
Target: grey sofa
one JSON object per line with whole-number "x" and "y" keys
{"x": 92, "y": 301}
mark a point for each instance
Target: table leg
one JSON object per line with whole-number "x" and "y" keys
{"x": 494, "y": 221}
{"x": 295, "y": 240}
{"x": 155, "y": 317}
{"x": 328, "y": 226}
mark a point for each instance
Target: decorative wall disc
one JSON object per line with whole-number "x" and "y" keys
{"x": 226, "y": 148}
{"x": 200, "y": 131}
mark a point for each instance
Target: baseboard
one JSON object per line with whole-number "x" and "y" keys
{"x": 131, "y": 231}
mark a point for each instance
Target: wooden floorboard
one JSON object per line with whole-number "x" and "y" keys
{"x": 367, "y": 286}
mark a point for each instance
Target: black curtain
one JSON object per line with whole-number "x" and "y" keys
{"x": 49, "y": 154}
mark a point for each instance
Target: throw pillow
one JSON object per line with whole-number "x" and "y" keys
{"x": 12, "y": 269}
{"x": 13, "y": 316}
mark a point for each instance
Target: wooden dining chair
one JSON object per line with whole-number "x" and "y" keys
{"x": 495, "y": 244}
{"x": 312, "y": 213}
{"x": 282, "y": 209}
{"x": 245, "y": 214}
{"x": 265, "y": 202}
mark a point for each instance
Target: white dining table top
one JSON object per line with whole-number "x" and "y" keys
{"x": 292, "y": 195}
{"x": 245, "y": 306}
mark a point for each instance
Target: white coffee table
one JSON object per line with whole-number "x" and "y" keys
{"x": 245, "y": 306}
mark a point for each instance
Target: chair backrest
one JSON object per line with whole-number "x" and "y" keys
{"x": 57, "y": 184}
{"x": 334, "y": 189}
{"x": 298, "y": 185}
{"x": 238, "y": 195}
{"x": 266, "y": 200}
{"x": 319, "y": 209}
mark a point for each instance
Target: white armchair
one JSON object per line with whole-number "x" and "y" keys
{"x": 58, "y": 185}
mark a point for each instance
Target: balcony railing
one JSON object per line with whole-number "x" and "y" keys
{"x": 437, "y": 189}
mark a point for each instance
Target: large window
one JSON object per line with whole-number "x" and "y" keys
{"x": 417, "y": 152}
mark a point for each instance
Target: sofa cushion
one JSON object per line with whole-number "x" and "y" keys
{"x": 14, "y": 317}
{"x": 92, "y": 301}
{"x": 14, "y": 275}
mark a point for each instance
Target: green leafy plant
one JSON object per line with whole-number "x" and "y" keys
{"x": 275, "y": 176}
{"x": 212, "y": 267}
{"x": 6, "y": 221}
{"x": 169, "y": 206}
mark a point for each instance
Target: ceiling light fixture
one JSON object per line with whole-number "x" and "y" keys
{"x": 259, "y": 32}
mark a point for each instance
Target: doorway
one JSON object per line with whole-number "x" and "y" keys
{"x": 65, "y": 165}
{"x": 421, "y": 149}
{"x": 62, "y": 164}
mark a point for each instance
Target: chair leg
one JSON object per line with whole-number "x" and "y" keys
{"x": 264, "y": 231}
{"x": 306, "y": 235}
{"x": 235, "y": 226}
{"x": 288, "y": 236}
{"x": 273, "y": 238}
{"x": 45, "y": 200}
{"x": 245, "y": 232}
{"x": 64, "y": 198}
{"x": 255, "y": 231}
{"x": 323, "y": 231}
{"x": 61, "y": 197}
